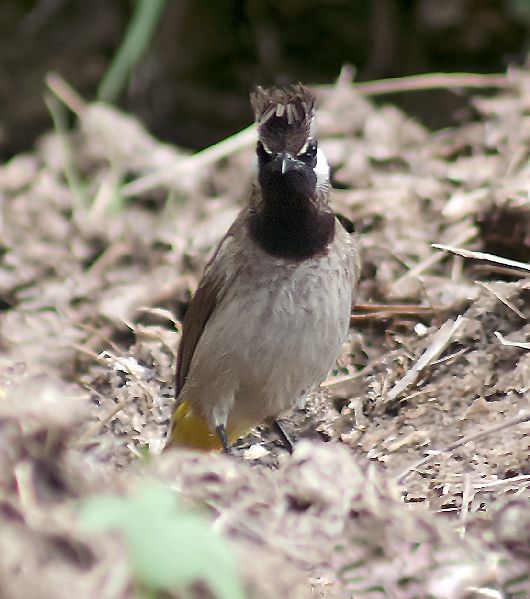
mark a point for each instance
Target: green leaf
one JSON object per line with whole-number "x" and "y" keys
{"x": 169, "y": 548}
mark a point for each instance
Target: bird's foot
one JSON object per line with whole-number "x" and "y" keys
{"x": 285, "y": 438}
{"x": 221, "y": 433}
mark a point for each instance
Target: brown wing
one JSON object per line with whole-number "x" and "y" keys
{"x": 202, "y": 304}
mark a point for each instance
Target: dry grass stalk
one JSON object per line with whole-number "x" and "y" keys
{"x": 383, "y": 311}
{"x": 435, "y": 258}
{"x": 508, "y": 343}
{"x": 427, "y": 81}
{"x": 66, "y": 93}
{"x": 482, "y": 256}
{"x": 501, "y": 298}
{"x": 439, "y": 343}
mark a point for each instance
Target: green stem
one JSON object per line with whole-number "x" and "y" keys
{"x": 146, "y": 16}
{"x": 71, "y": 174}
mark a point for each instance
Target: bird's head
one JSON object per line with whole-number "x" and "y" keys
{"x": 287, "y": 151}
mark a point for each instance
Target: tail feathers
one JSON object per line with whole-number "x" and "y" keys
{"x": 191, "y": 430}
{"x": 284, "y": 117}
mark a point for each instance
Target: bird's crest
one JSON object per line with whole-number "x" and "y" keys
{"x": 283, "y": 117}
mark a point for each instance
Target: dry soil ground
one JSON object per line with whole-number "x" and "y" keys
{"x": 411, "y": 475}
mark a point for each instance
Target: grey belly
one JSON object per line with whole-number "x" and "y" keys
{"x": 271, "y": 341}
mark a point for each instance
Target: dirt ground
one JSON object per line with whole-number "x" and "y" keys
{"x": 411, "y": 473}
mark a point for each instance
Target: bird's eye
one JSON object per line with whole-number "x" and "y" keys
{"x": 263, "y": 155}
{"x": 309, "y": 156}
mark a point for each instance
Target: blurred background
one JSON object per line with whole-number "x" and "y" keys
{"x": 191, "y": 81}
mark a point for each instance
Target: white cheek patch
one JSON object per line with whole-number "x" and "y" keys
{"x": 255, "y": 160}
{"x": 322, "y": 169}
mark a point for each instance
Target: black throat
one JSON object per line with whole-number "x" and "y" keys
{"x": 288, "y": 224}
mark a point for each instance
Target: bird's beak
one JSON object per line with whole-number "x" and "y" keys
{"x": 287, "y": 162}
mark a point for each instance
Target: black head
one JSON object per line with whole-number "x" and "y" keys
{"x": 287, "y": 153}
{"x": 284, "y": 117}
{"x": 295, "y": 174}
{"x": 292, "y": 219}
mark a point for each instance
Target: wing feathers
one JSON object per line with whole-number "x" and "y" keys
{"x": 205, "y": 300}
{"x": 195, "y": 319}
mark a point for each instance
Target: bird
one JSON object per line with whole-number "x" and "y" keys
{"x": 272, "y": 311}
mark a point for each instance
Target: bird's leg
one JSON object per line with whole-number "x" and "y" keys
{"x": 221, "y": 433}
{"x": 286, "y": 439}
